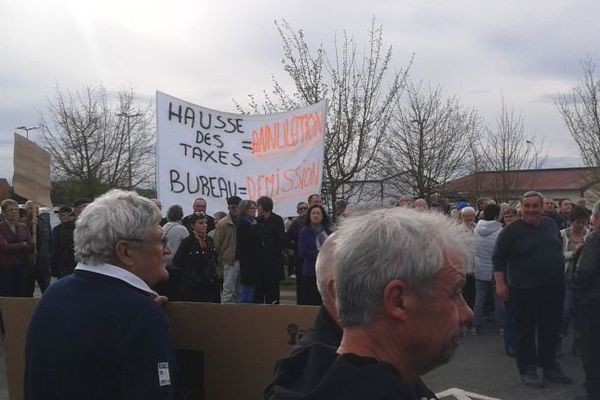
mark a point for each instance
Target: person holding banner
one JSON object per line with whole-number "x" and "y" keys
{"x": 250, "y": 250}
{"x": 40, "y": 231}
{"x": 199, "y": 207}
{"x": 16, "y": 246}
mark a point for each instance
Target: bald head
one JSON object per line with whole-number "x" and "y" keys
{"x": 325, "y": 270}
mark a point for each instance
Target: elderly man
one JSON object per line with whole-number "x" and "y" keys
{"x": 404, "y": 320}
{"x": 100, "y": 333}
{"x": 586, "y": 281}
{"x": 529, "y": 253}
{"x": 199, "y": 207}
{"x": 226, "y": 244}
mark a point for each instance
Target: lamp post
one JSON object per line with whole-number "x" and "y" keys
{"x": 26, "y": 129}
{"x": 535, "y": 152}
{"x": 128, "y": 117}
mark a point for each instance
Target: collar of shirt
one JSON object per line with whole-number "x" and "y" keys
{"x": 118, "y": 273}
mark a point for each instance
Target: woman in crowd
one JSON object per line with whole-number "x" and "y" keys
{"x": 573, "y": 238}
{"x": 16, "y": 246}
{"x": 486, "y": 232}
{"x": 250, "y": 250}
{"x": 197, "y": 259}
{"x": 317, "y": 227}
{"x": 174, "y": 233}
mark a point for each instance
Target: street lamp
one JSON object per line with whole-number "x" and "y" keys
{"x": 129, "y": 116}
{"x": 26, "y": 129}
{"x": 535, "y": 152}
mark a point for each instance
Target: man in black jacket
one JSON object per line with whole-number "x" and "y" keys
{"x": 587, "y": 299}
{"x": 272, "y": 236}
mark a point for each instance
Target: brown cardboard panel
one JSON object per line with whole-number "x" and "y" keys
{"x": 16, "y": 314}
{"x": 239, "y": 342}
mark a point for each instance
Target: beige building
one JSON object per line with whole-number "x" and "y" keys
{"x": 557, "y": 183}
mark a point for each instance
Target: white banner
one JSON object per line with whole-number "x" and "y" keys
{"x": 214, "y": 155}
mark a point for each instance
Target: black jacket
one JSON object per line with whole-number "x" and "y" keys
{"x": 250, "y": 251}
{"x": 272, "y": 236}
{"x": 199, "y": 270}
{"x": 586, "y": 279}
{"x": 313, "y": 370}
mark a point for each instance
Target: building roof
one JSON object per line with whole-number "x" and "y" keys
{"x": 553, "y": 179}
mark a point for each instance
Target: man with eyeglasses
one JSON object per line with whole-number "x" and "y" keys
{"x": 225, "y": 242}
{"x": 199, "y": 207}
{"x": 101, "y": 331}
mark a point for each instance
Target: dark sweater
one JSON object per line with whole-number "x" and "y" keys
{"x": 96, "y": 337}
{"x": 300, "y": 373}
{"x": 587, "y": 271}
{"x": 530, "y": 255}
{"x": 345, "y": 377}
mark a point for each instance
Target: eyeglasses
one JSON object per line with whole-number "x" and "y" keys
{"x": 162, "y": 242}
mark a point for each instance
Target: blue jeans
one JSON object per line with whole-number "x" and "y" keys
{"x": 567, "y": 310}
{"x": 248, "y": 293}
{"x": 482, "y": 289}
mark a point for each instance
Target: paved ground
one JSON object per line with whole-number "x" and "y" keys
{"x": 479, "y": 366}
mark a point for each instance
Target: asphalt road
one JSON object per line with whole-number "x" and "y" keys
{"x": 479, "y": 366}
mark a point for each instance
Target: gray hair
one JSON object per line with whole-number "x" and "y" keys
{"x": 116, "y": 215}
{"x": 375, "y": 248}
{"x": 533, "y": 193}
{"x": 325, "y": 268}
{"x": 467, "y": 210}
{"x": 596, "y": 208}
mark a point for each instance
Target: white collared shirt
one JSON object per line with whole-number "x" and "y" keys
{"x": 118, "y": 273}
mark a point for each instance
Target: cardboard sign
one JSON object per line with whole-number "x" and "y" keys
{"x": 224, "y": 351}
{"x": 31, "y": 178}
{"x": 215, "y": 155}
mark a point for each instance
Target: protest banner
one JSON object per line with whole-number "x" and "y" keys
{"x": 215, "y": 155}
{"x": 31, "y": 178}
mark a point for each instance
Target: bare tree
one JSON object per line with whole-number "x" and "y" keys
{"x": 508, "y": 150}
{"x": 429, "y": 142}
{"x": 95, "y": 145}
{"x": 580, "y": 110}
{"x": 359, "y": 87}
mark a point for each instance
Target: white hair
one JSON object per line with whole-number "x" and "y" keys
{"x": 325, "y": 268}
{"x": 596, "y": 208}
{"x": 116, "y": 215}
{"x": 467, "y": 210}
{"x": 377, "y": 247}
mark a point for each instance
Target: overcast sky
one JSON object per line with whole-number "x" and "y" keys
{"x": 209, "y": 52}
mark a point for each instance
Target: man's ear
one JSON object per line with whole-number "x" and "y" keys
{"x": 123, "y": 254}
{"x": 395, "y": 299}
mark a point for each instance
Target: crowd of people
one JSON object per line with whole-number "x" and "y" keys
{"x": 428, "y": 266}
